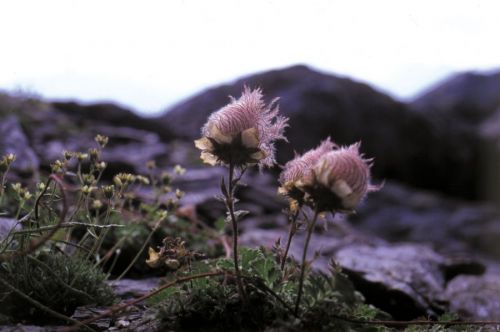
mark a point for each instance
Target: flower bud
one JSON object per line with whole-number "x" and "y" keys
{"x": 179, "y": 170}
{"x": 81, "y": 156}
{"x": 142, "y": 180}
{"x": 68, "y": 155}
{"x": 108, "y": 191}
{"x": 94, "y": 155}
{"x": 102, "y": 140}
{"x": 96, "y": 204}
{"x": 100, "y": 166}
{"x": 86, "y": 190}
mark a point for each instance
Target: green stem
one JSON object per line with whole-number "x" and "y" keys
{"x": 310, "y": 229}
{"x": 150, "y": 235}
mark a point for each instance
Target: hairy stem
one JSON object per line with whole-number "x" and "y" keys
{"x": 291, "y": 233}
{"x": 310, "y": 229}
{"x": 230, "y": 207}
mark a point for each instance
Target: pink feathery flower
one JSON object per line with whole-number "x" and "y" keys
{"x": 296, "y": 169}
{"x": 339, "y": 180}
{"x": 242, "y": 132}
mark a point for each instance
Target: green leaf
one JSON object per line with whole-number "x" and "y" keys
{"x": 220, "y": 225}
{"x": 225, "y": 264}
{"x": 162, "y": 296}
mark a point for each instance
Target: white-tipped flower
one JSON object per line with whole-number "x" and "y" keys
{"x": 242, "y": 132}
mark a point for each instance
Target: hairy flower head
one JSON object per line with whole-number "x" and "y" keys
{"x": 339, "y": 180}
{"x": 296, "y": 169}
{"x": 242, "y": 132}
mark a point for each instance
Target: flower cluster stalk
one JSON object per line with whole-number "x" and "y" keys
{"x": 310, "y": 229}
{"x": 234, "y": 223}
{"x": 291, "y": 232}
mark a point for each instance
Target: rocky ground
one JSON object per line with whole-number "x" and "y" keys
{"x": 427, "y": 243}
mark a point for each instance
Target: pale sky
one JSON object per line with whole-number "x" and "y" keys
{"x": 149, "y": 54}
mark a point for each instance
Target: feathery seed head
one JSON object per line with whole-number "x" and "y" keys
{"x": 242, "y": 132}
{"x": 339, "y": 180}
{"x": 296, "y": 169}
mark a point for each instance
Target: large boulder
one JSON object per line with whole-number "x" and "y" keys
{"x": 466, "y": 108}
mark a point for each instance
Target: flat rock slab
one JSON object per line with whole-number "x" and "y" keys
{"x": 475, "y": 297}
{"x": 125, "y": 288}
{"x": 406, "y": 280}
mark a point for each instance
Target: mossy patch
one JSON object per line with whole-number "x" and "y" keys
{"x": 55, "y": 280}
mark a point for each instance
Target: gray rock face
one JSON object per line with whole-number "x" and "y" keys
{"x": 407, "y": 280}
{"x": 465, "y": 108}
{"x": 475, "y": 297}
{"x": 398, "y": 213}
{"x": 111, "y": 115}
{"x": 8, "y": 225}
{"x": 470, "y": 97}
{"x": 13, "y": 140}
{"x": 125, "y": 288}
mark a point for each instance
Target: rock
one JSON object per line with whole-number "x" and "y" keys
{"x": 128, "y": 150}
{"x": 87, "y": 312}
{"x": 29, "y": 328}
{"x": 465, "y": 109}
{"x": 125, "y": 288}
{"x": 55, "y": 127}
{"x": 476, "y": 298}
{"x": 399, "y": 213}
{"x": 111, "y": 115}
{"x": 13, "y": 140}
{"x": 469, "y": 97}
{"x": 406, "y": 280}
{"x": 7, "y": 225}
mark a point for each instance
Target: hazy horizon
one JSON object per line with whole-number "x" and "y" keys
{"x": 151, "y": 55}
{"x": 169, "y": 104}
